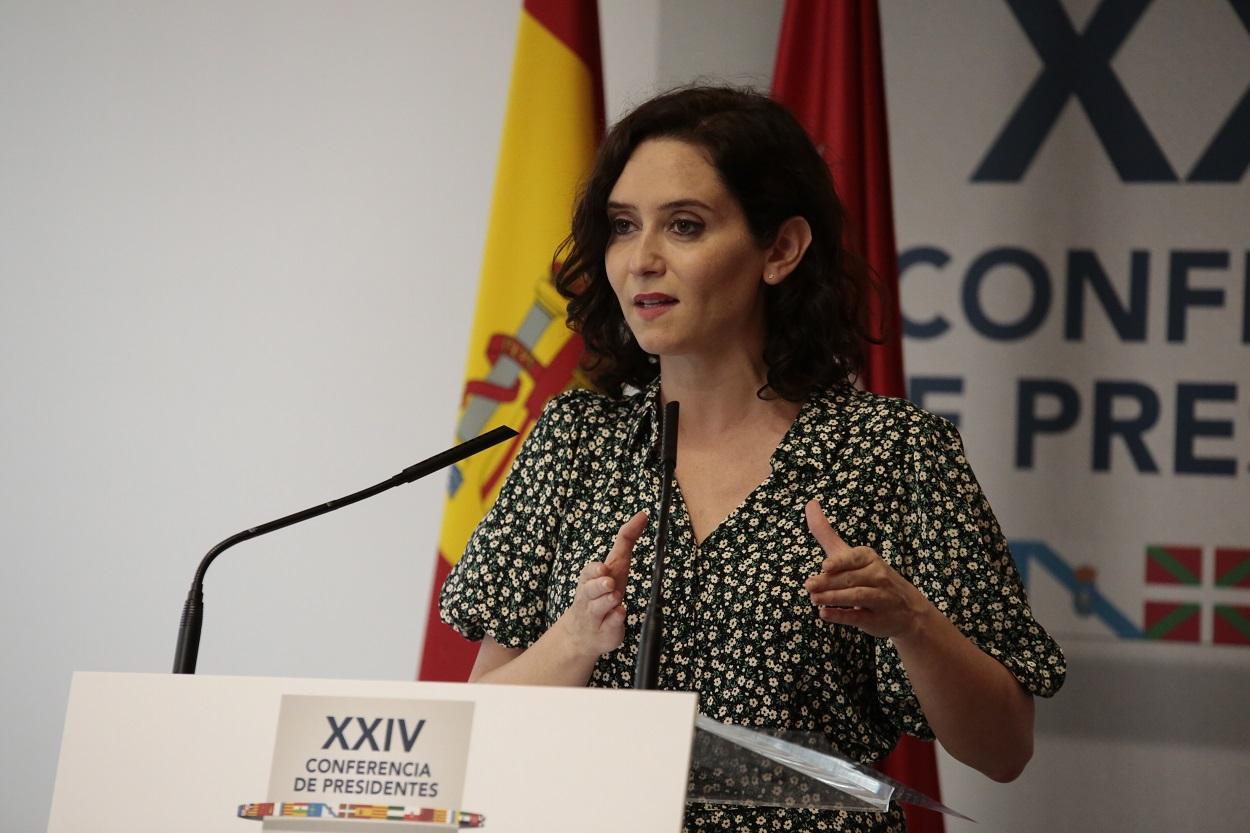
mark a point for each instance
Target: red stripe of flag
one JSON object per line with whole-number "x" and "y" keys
{"x": 829, "y": 74}
{"x": 448, "y": 657}
{"x": 576, "y": 24}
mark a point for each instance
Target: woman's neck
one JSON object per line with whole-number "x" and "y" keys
{"x": 720, "y": 395}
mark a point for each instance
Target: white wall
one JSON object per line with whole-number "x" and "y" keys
{"x": 240, "y": 249}
{"x": 239, "y": 245}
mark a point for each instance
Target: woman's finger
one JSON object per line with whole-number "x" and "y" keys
{"x": 828, "y": 538}
{"x": 617, "y": 562}
{"x": 599, "y": 608}
{"x": 862, "y": 597}
{"x": 866, "y": 576}
{"x": 592, "y": 570}
{"x": 589, "y": 574}
{"x": 598, "y": 587}
{"x": 856, "y": 617}
{"x": 852, "y": 558}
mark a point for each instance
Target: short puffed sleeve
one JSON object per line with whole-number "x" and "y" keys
{"x": 499, "y": 586}
{"x": 958, "y": 557}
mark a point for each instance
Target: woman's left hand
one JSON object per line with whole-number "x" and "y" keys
{"x": 975, "y": 706}
{"x": 856, "y": 587}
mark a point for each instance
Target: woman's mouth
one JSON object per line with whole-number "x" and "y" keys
{"x": 653, "y": 304}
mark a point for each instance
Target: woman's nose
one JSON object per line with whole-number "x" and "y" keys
{"x": 646, "y": 258}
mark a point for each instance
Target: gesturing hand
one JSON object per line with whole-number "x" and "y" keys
{"x": 595, "y": 622}
{"x": 856, "y": 587}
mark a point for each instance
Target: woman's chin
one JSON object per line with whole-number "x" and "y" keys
{"x": 657, "y": 347}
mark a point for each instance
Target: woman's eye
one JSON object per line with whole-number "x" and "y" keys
{"x": 686, "y": 227}
{"x": 620, "y": 225}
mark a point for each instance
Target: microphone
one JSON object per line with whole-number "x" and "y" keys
{"x": 188, "y": 648}
{"x": 647, "y": 669}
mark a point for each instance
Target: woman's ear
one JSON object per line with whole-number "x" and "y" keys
{"x": 792, "y": 240}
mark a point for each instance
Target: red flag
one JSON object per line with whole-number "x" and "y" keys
{"x": 829, "y": 74}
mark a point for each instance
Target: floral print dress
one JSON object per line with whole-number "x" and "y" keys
{"x": 739, "y": 629}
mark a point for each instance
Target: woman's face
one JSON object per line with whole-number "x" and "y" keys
{"x": 681, "y": 258}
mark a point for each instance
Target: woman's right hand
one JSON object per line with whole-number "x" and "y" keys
{"x": 595, "y": 623}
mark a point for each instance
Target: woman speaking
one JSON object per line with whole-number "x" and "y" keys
{"x": 833, "y": 566}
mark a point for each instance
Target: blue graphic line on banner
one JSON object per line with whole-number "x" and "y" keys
{"x": 1086, "y": 598}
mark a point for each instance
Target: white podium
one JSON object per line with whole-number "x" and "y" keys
{"x": 174, "y": 752}
{"x": 200, "y": 753}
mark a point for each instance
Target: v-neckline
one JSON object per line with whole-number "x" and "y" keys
{"x": 680, "y": 503}
{"x": 773, "y": 461}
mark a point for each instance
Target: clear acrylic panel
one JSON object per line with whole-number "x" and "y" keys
{"x": 737, "y": 765}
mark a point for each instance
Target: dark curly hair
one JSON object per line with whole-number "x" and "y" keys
{"x": 816, "y": 319}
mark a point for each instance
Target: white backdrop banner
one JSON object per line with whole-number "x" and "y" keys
{"x": 1074, "y": 230}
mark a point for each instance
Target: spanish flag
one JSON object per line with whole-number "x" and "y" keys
{"x": 520, "y": 351}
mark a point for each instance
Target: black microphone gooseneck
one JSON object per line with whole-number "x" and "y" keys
{"x": 188, "y": 649}
{"x": 647, "y": 670}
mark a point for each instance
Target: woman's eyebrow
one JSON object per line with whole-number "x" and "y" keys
{"x": 686, "y": 203}
{"x": 673, "y": 205}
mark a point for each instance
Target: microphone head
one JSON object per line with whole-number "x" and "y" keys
{"x": 669, "y": 433}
